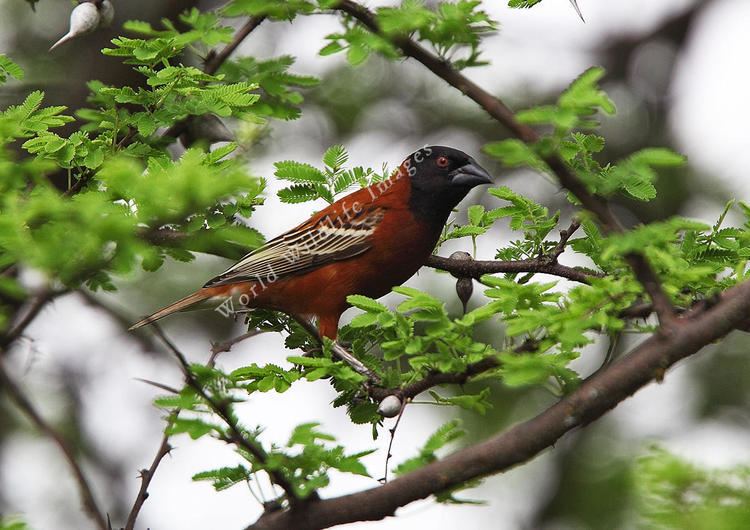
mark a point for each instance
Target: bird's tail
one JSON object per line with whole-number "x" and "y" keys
{"x": 179, "y": 305}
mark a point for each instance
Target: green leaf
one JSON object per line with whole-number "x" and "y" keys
{"x": 306, "y": 434}
{"x": 335, "y": 157}
{"x": 366, "y": 412}
{"x": 9, "y": 68}
{"x": 674, "y": 494}
{"x": 225, "y": 477}
{"x": 299, "y": 172}
{"x": 473, "y": 402}
{"x": 584, "y": 95}
{"x": 658, "y": 157}
{"x": 513, "y": 153}
{"x": 446, "y": 434}
{"x": 520, "y": 4}
{"x": 366, "y": 304}
{"x": 298, "y": 193}
{"x": 193, "y": 427}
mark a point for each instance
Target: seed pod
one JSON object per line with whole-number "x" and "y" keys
{"x": 390, "y": 406}
{"x": 207, "y": 129}
{"x": 87, "y": 17}
{"x": 464, "y": 284}
{"x": 464, "y": 290}
{"x": 106, "y": 13}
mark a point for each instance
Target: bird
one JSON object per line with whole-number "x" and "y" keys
{"x": 87, "y": 16}
{"x": 365, "y": 243}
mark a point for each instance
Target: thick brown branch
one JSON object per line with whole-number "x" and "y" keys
{"x": 498, "y": 110}
{"x": 476, "y": 269}
{"x": 24, "y": 404}
{"x": 597, "y": 395}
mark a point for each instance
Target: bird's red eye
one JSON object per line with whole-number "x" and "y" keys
{"x": 443, "y": 161}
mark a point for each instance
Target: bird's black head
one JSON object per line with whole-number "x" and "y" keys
{"x": 440, "y": 177}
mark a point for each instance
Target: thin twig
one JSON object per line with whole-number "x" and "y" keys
{"x": 124, "y": 321}
{"x": 236, "y": 436}
{"x": 434, "y": 379}
{"x": 215, "y": 62}
{"x": 220, "y": 347}
{"x": 33, "y": 311}
{"x": 24, "y": 404}
{"x": 565, "y": 235}
{"x": 160, "y": 386}
{"x": 392, "y": 432}
{"x": 146, "y": 475}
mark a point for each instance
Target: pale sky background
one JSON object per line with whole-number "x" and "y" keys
{"x": 540, "y": 50}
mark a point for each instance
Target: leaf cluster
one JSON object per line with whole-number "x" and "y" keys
{"x": 675, "y": 494}
{"x": 453, "y": 29}
{"x": 310, "y": 183}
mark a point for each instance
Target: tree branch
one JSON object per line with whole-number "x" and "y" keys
{"x": 214, "y": 63}
{"x": 476, "y": 269}
{"x": 503, "y": 114}
{"x": 236, "y": 437}
{"x": 432, "y": 379}
{"x": 597, "y": 395}
{"x": 146, "y": 476}
{"x": 33, "y": 311}
{"x": 24, "y": 404}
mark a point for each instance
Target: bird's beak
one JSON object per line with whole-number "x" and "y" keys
{"x": 470, "y": 175}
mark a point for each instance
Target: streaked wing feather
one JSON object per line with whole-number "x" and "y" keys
{"x": 307, "y": 247}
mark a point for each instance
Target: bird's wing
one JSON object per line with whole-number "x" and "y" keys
{"x": 306, "y": 247}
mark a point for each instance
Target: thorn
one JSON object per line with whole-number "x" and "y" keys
{"x": 574, "y": 3}
{"x": 65, "y": 38}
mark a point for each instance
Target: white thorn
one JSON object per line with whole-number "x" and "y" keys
{"x": 65, "y": 38}
{"x": 574, "y": 3}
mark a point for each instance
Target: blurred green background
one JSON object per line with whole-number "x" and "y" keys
{"x": 677, "y": 70}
